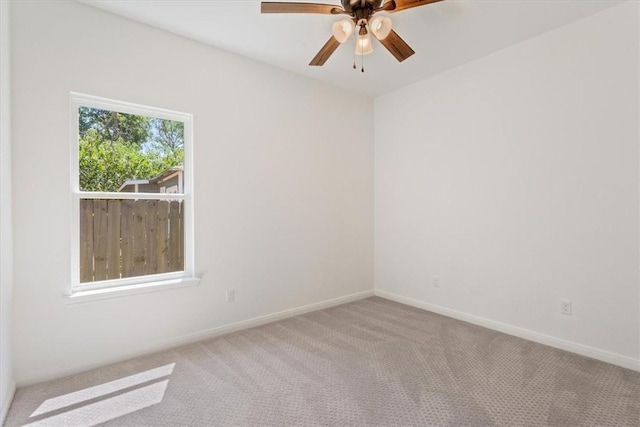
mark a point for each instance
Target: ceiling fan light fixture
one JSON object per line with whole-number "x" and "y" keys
{"x": 342, "y": 30}
{"x": 363, "y": 45}
{"x": 381, "y": 27}
{"x": 361, "y": 13}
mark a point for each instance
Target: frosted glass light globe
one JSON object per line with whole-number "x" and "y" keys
{"x": 342, "y": 30}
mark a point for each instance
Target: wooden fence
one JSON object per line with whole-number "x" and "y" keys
{"x": 130, "y": 238}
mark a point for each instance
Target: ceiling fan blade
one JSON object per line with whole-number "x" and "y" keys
{"x": 282, "y": 7}
{"x": 408, "y": 4}
{"x": 398, "y": 47}
{"x": 326, "y": 52}
{"x": 387, "y": 6}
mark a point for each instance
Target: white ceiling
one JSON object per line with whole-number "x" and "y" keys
{"x": 444, "y": 35}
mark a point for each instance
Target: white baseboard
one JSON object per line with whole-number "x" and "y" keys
{"x": 583, "y": 350}
{"x": 262, "y": 320}
{"x": 7, "y": 402}
{"x": 198, "y": 336}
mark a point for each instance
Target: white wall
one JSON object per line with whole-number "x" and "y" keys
{"x": 283, "y": 182}
{"x": 514, "y": 179}
{"x": 7, "y": 384}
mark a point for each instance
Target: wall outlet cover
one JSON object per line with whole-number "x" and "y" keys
{"x": 566, "y": 307}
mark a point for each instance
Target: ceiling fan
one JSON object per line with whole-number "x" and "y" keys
{"x": 362, "y": 15}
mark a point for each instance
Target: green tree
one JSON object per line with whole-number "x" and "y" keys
{"x": 114, "y": 126}
{"x": 106, "y": 165}
{"x": 116, "y": 147}
{"x": 168, "y": 136}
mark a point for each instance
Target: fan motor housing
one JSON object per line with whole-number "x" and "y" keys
{"x": 355, "y": 5}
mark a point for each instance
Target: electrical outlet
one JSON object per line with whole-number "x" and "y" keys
{"x": 436, "y": 282}
{"x": 566, "y": 307}
{"x": 231, "y": 295}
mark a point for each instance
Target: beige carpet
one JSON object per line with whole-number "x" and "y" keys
{"x": 372, "y": 362}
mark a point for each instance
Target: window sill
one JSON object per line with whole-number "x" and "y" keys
{"x": 121, "y": 291}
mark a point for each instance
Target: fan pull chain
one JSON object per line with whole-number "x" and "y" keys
{"x": 362, "y": 28}
{"x": 355, "y": 52}
{"x": 354, "y": 59}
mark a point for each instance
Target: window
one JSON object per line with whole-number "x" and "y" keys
{"x": 132, "y": 196}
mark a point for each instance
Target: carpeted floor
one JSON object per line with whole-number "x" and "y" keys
{"x": 372, "y": 362}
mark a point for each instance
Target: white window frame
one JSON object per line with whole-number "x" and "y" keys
{"x": 132, "y": 284}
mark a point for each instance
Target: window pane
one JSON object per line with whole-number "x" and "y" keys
{"x": 130, "y": 238}
{"x": 121, "y": 152}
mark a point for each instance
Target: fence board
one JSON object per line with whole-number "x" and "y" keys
{"x": 181, "y": 237}
{"x": 86, "y": 241}
{"x": 139, "y": 213}
{"x": 100, "y": 239}
{"x": 174, "y": 227}
{"x": 113, "y": 240}
{"x": 163, "y": 236}
{"x": 151, "y": 240}
{"x": 126, "y": 225}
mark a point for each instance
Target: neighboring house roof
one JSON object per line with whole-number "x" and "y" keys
{"x": 157, "y": 180}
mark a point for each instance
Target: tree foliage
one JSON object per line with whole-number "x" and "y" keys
{"x": 113, "y": 126}
{"x": 169, "y": 136}
{"x": 116, "y": 147}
